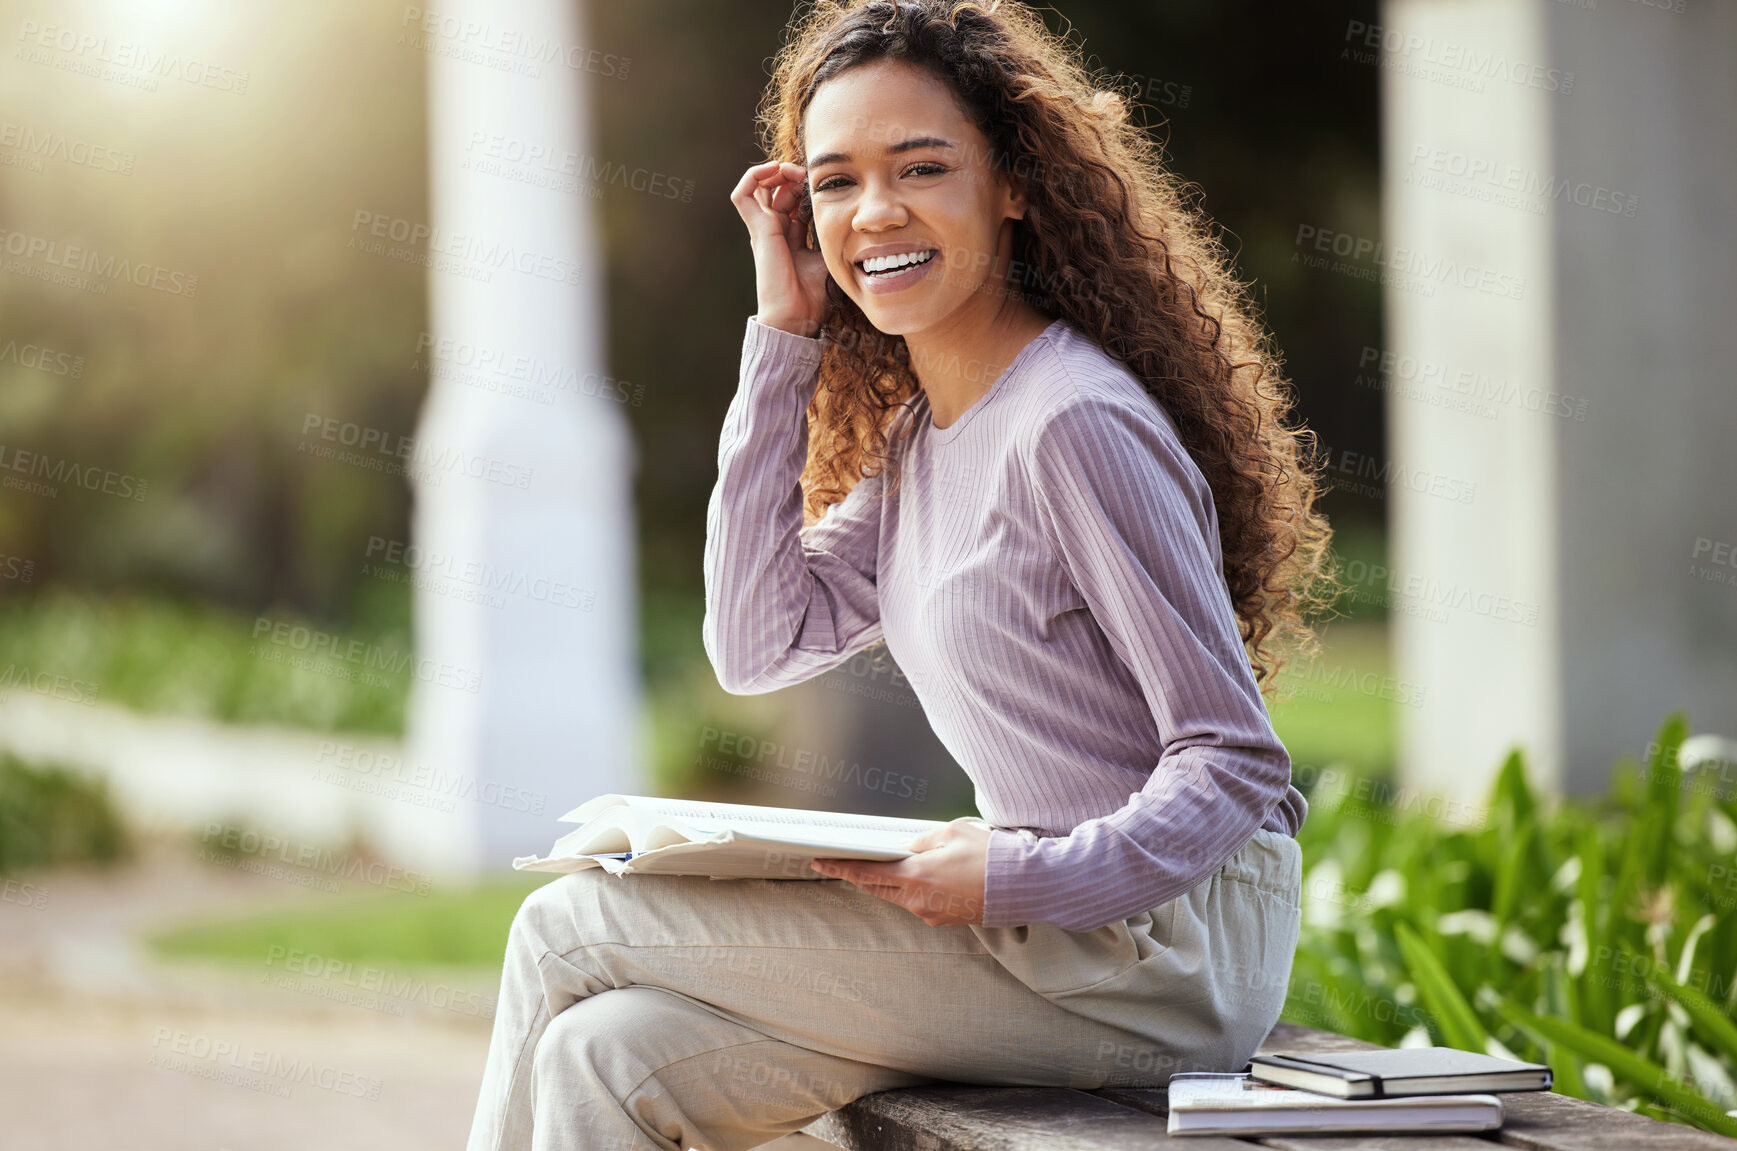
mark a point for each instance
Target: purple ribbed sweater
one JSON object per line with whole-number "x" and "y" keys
{"x": 1048, "y": 576}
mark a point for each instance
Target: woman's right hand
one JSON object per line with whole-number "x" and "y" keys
{"x": 790, "y": 279}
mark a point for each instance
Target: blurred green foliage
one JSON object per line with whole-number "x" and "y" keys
{"x": 203, "y": 398}
{"x": 1595, "y": 937}
{"x": 51, "y": 815}
{"x": 199, "y": 399}
{"x": 178, "y": 658}
{"x": 1360, "y": 566}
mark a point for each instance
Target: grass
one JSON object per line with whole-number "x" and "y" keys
{"x": 461, "y": 928}
{"x": 1342, "y": 707}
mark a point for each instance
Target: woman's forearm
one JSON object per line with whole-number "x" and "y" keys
{"x": 782, "y": 604}
{"x": 1201, "y": 805}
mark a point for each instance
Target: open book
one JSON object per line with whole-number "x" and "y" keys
{"x": 625, "y": 834}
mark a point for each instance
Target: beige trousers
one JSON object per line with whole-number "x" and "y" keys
{"x": 668, "y": 1012}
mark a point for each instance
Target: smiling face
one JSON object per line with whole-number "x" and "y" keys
{"x": 900, "y": 178}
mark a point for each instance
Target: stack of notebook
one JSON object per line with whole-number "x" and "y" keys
{"x": 1409, "y": 1089}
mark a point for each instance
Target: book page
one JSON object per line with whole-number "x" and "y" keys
{"x": 614, "y": 829}
{"x": 725, "y": 856}
{"x": 628, "y": 833}
{"x": 1239, "y": 1091}
{"x": 771, "y": 822}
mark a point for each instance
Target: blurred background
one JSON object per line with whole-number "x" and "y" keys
{"x": 362, "y": 369}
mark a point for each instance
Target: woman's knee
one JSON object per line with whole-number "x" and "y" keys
{"x": 630, "y": 1043}
{"x": 581, "y": 1047}
{"x": 554, "y": 903}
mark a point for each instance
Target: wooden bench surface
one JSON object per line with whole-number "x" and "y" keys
{"x": 1121, "y": 1119}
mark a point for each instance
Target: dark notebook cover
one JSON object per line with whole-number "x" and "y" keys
{"x": 1388, "y": 1070}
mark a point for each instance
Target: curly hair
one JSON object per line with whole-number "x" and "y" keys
{"x": 1110, "y": 242}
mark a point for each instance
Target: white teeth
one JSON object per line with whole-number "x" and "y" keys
{"x": 877, "y": 264}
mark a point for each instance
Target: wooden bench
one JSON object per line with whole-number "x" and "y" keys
{"x": 1122, "y": 1119}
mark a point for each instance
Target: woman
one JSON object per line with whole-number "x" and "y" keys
{"x": 1000, "y": 355}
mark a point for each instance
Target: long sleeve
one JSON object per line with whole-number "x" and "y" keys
{"x": 784, "y": 603}
{"x": 1133, "y": 521}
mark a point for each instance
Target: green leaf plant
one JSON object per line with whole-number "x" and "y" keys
{"x": 1599, "y": 937}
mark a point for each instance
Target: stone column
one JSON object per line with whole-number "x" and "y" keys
{"x": 1646, "y": 330}
{"x": 1558, "y": 186}
{"x": 527, "y": 600}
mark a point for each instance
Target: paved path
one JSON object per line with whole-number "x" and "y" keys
{"x": 100, "y": 1046}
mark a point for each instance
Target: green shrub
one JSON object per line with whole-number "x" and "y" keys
{"x": 1592, "y": 936}
{"x": 51, "y": 815}
{"x": 186, "y": 658}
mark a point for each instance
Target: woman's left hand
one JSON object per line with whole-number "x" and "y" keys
{"x": 941, "y": 884}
